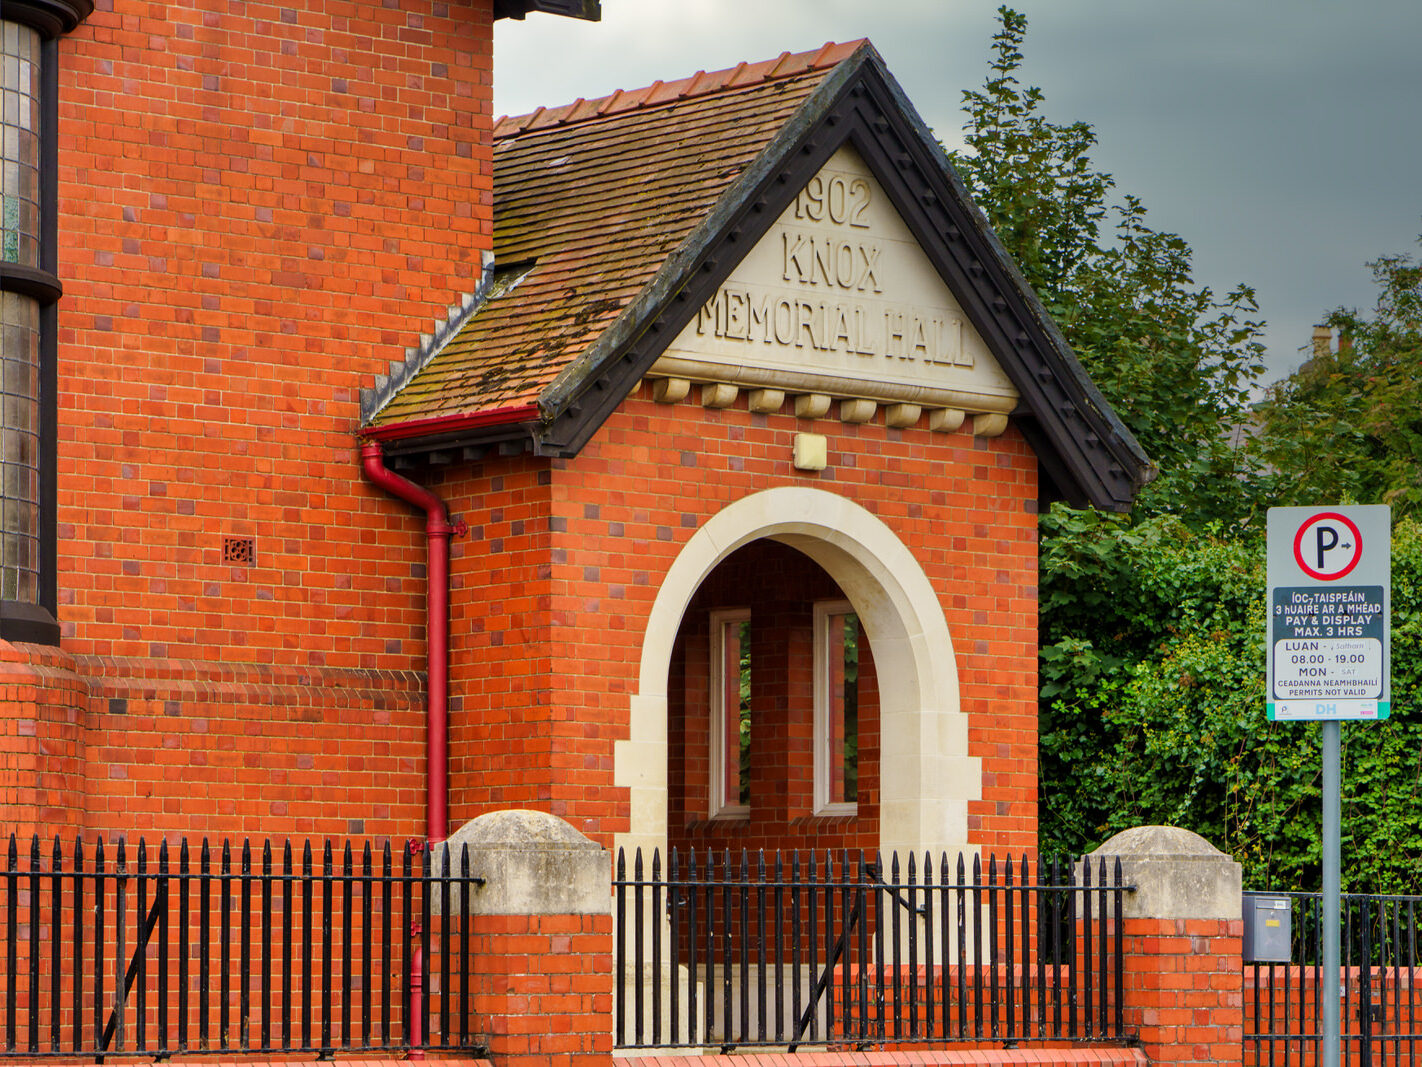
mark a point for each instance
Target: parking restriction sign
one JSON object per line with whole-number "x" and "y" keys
{"x": 1330, "y": 578}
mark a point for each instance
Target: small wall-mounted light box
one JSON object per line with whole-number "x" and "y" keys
{"x": 1266, "y": 928}
{"x": 811, "y": 451}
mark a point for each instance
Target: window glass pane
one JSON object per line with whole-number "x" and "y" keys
{"x": 19, "y": 144}
{"x": 736, "y": 718}
{"x": 19, "y": 448}
{"x": 842, "y": 707}
{"x": 730, "y": 712}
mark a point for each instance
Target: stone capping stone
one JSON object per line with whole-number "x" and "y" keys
{"x": 533, "y": 863}
{"x": 1177, "y": 874}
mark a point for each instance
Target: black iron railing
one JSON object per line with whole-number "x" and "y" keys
{"x": 1380, "y": 1012}
{"x": 723, "y": 952}
{"x": 128, "y": 953}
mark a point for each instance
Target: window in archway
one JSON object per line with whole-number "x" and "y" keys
{"x": 730, "y": 712}
{"x": 836, "y": 708}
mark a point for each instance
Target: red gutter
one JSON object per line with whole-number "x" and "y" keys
{"x": 445, "y": 424}
{"x": 437, "y": 532}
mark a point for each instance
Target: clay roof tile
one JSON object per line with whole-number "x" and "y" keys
{"x": 597, "y": 194}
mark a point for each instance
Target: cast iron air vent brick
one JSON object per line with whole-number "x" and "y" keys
{"x": 240, "y": 551}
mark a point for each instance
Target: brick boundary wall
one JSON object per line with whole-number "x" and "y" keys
{"x": 1037, "y": 1057}
{"x": 1184, "y": 988}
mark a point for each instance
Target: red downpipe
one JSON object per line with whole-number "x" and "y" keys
{"x": 437, "y": 533}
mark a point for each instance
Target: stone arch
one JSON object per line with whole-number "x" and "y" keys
{"x": 923, "y": 730}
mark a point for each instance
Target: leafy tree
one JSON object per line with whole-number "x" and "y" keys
{"x": 1175, "y": 361}
{"x": 1152, "y": 625}
{"x": 1348, "y": 424}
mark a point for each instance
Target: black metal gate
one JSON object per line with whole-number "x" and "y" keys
{"x": 726, "y": 952}
{"x": 1379, "y": 1012}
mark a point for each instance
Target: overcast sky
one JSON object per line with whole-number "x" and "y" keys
{"x": 1281, "y": 138}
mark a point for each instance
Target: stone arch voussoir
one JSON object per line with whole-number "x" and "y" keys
{"x": 923, "y": 730}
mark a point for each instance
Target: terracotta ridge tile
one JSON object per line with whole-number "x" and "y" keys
{"x": 779, "y": 62}
{"x": 609, "y": 102}
{"x": 824, "y": 51}
{"x": 734, "y": 74}
{"x": 691, "y": 84}
{"x": 786, "y": 65}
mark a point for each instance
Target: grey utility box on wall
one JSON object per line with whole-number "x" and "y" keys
{"x": 1266, "y": 928}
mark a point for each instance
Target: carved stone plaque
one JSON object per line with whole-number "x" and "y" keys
{"x": 839, "y": 298}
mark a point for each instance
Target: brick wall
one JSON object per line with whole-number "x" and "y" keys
{"x": 260, "y": 207}
{"x": 42, "y": 742}
{"x": 614, "y": 519}
{"x": 544, "y": 987}
{"x": 1183, "y": 988}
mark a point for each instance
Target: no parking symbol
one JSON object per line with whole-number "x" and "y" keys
{"x": 1327, "y": 546}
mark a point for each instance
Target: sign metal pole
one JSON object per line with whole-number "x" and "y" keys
{"x": 1330, "y": 593}
{"x": 1330, "y": 1000}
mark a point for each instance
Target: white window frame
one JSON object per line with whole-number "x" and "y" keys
{"x": 825, "y": 760}
{"x": 721, "y": 806}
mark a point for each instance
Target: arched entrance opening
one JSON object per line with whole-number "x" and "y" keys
{"x": 928, "y": 777}
{"x": 772, "y": 711}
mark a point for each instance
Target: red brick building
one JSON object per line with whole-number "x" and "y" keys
{"x": 729, "y": 418}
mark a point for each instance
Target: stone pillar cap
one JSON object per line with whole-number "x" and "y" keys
{"x": 1177, "y": 874}
{"x": 1161, "y": 842}
{"x": 521, "y": 829}
{"x": 533, "y": 863}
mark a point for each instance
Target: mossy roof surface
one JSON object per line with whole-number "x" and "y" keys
{"x": 596, "y": 196}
